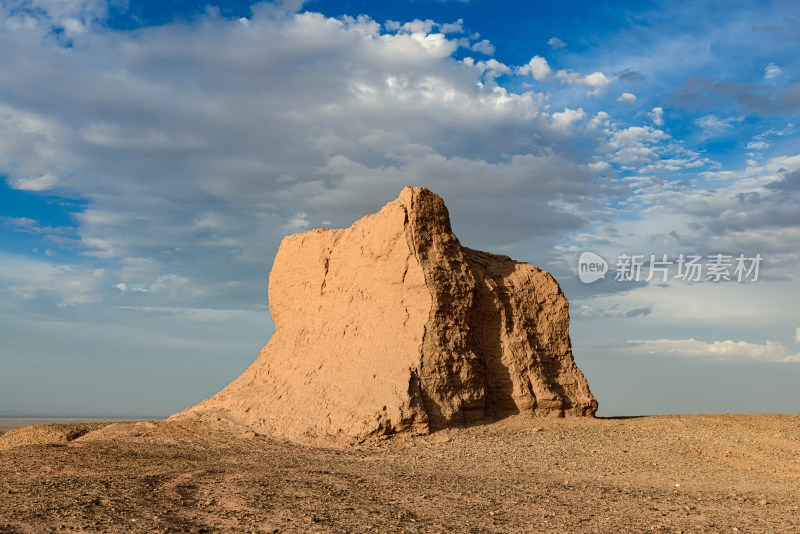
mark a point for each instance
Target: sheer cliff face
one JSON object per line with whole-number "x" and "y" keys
{"x": 392, "y": 326}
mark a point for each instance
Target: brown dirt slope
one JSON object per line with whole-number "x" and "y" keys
{"x": 703, "y": 473}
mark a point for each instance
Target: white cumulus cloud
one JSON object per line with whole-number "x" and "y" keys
{"x": 536, "y": 67}
{"x": 562, "y": 120}
{"x": 657, "y": 116}
{"x": 484, "y": 47}
{"x": 597, "y": 81}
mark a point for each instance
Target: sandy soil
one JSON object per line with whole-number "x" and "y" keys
{"x": 704, "y": 473}
{"x": 10, "y": 423}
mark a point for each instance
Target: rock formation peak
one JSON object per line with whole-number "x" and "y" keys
{"x": 392, "y": 326}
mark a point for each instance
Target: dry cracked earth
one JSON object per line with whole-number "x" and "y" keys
{"x": 687, "y": 473}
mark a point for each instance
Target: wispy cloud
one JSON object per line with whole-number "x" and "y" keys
{"x": 772, "y": 71}
{"x": 38, "y": 183}
{"x": 723, "y": 351}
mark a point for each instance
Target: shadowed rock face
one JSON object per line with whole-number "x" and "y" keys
{"x": 392, "y": 326}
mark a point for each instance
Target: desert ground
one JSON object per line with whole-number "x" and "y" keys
{"x": 685, "y": 473}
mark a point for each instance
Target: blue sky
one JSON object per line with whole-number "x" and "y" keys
{"x": 153, "y": 155}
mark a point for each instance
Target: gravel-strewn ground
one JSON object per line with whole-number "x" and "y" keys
{"x": 704, "y": 473}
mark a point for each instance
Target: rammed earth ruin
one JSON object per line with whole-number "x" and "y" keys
{"x": 392, "y": 326}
